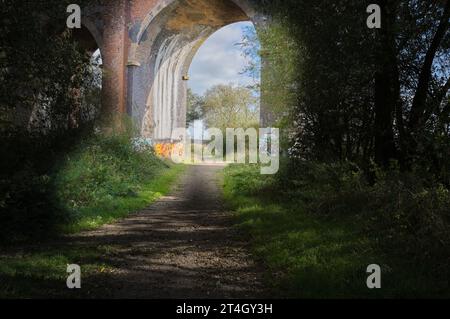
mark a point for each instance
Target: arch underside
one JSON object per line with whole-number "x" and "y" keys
{"x": 161, "y": 55}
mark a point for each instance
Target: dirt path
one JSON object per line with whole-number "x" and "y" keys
{"x": 182, "y": 246}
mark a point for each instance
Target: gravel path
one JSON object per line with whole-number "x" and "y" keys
{"x": 182, "y": 246}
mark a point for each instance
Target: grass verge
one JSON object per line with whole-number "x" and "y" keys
{"x": 311, "y": 256}
{"x": 105, "y": 212}
{"x": 106, "y": 178}
{"x": 39, "y": 271}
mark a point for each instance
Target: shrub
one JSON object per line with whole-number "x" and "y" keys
{"x": 410, "y": 215}
{"x": 404, "y": 214}
{"x": 27, "y": 206}
{"x": 104, "y": 168}
{"x": 41, "y": 190}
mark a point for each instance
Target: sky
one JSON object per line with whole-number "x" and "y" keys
{"x": 219, "y": 60}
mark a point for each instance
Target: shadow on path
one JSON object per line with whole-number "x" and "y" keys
{"x": 182, "y": 246}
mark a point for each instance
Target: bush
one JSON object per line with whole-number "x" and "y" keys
{"x": 404, "y": 214}
{"x": 324, "y": 223}
{"x": 40, "y": 189}
{"x": 328, "y": 189}
{"x": 247, "y": 180}
{"x": 103, "y": 168}
{"x": 410, "y": 215}
{"x": 27, "y": 206}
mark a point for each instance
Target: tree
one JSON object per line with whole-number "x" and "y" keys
{"x": 407, "y": 79}
{"x": 424, "y": 61}
{"x": 41, "y": 66}
{"x": 360, "y": 94}
{"x": 418, "y": 114}
{"x": 195, "y": 105}
{"x": 229, "y": 106}
{"x": 387, "y": 86}
{"x": 251, "y": 50}
{"x": 318, "y": 62}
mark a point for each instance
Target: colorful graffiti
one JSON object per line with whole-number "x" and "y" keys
{"x": 165, "y": 150}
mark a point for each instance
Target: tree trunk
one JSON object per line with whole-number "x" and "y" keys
{"x": 387, "y": 89}
{"x": 418, "y": 110}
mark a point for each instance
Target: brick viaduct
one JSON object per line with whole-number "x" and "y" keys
{"x": 147, "y": 47}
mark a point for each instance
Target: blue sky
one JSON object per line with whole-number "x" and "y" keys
{"x": 219, "y": 60}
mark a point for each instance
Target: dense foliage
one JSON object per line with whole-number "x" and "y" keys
{"x": 364, "y": 117}
{"x": 57, "y": 167}
{"x": 224, "y": 106}
{"x": 230, "y": 106}
{"x": 195, "y": 105}
{"x": 100, "y": 179}
{"x": 43, "y": 70}
{"x": 317, "y": 226}
{"x": 353, "y": 93}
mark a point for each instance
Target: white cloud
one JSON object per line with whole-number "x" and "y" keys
{"x": 219, "y": 60}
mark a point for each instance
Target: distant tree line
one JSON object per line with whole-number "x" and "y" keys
{"x": 224, "y": 106}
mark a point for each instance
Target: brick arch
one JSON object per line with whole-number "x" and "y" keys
{"x": 147, "y": 47}
{"x": 161, "y": 55}
{"x": 91, "y": 23}
{"x": 247, "y": 7}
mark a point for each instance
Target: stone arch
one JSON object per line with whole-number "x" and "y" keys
{"x": 162, "y": 47}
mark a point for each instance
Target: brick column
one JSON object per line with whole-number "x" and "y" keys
{"x": 114, "y": 57}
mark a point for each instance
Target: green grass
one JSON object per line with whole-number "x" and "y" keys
{"x": 101, "y": 178}
{"x": 311, "y": 256}
{"x": 108, "y": 211}
{"x": 104, "y": 180}
{"x": 42, "y": 272}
